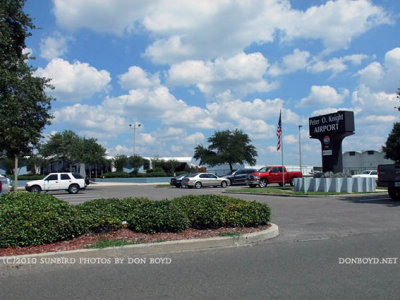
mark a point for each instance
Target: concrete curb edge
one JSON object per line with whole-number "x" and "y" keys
{"x": 161, "y": 248}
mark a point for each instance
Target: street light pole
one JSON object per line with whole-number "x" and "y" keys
{"x": 134, "y": 125}
{"x": 301, "y": 167}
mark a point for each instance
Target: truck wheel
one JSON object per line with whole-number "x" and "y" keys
{"x": 73, "y": 189}
{"x": 394, "y": 193}
{"x": 263, "y": 183}
{"x": 280, "y": 184}
{"x": 35, "y": 189}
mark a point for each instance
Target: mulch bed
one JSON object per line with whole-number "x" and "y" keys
{"x": 87, "y": 240}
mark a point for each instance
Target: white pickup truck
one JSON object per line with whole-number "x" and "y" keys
{"x": 71, "y": 182}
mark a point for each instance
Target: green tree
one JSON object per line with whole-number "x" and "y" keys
{"x": 392, "y": 146}
{"x": 24, "y": 105}
{"x": 136, "y": 161}
{"x": 227, "y": 147}
{"x": 91, "y": 153}
{"x": 120, "y": 161}
{"x": 65, "y": 146}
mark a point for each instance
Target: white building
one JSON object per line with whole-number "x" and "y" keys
{"x": 355, "y": 161}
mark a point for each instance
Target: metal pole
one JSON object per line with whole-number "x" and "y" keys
{"x": 301, "y": 167}
{"x": 134, "y": 139}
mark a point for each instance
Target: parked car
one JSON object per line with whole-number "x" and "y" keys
{"x": 367, "y": 174}
{"x": 71, "y": 182}
{"x": 8, "y": 182}
{"x": 4, "y": 187}
{"x": 203, "y": 179}
{"x": 177, "y": 181}
{"x": 239, "y": 176}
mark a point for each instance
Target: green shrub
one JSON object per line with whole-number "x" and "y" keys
{"x": 157, "y": 216}
{"x": 248, "y": 214}
{"x": 33, "y": 219}
{"x": 105, "y": 215}
{"x": 203, "y": 211}
{"x": 116, "y": 175}
{"x": 29, "y": 177}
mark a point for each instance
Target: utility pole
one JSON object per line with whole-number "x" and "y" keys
{"x": 134, "y": 125}
{"x": 301, "y": 167}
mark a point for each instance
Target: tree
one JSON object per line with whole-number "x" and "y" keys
{"x": 91, "y": 153}
{"x": 227, "y": 147}
{"x": 24, "y": 105}
{"x": 63, "y": 146}
{"x": 136, "y": 161}
{"x": 120, "y": 161}
{"x": 392, "y": 146}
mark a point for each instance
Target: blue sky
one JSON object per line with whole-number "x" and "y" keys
{"x": 184, "y": 69}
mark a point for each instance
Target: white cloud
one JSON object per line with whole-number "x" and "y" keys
{"x": 53, "y": 46}
{"x": 91, "y": 120}
{"x": 323, "y": 96}
{"x": 383, "y": 77}
{"x": 335, "y": 23}
{"x": 298, "y": 60}
{"x": 240, "y": 74}
{"x": 186, "y": 30}
{"x": 74, "y": 82}
{"x": 137, "y": 78}
{"x": 290, "y": 139}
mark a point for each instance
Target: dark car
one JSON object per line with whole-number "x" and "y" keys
{"x": 239, "y": 176}
{"x": 177, "y": 181}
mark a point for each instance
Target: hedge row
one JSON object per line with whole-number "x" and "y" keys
{"x": 28, "y": 219}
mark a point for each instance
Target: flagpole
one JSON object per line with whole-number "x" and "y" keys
{"x": 280, "y": 143}
{"x": 283, "y": 170}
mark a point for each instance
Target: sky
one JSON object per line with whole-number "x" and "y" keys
{"x": 186, "y": 69}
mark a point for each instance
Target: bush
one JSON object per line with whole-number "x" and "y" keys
{"x": 214, "y": 211}
{"x": 33, "y": 219}
{"x": 157, "y": 216}
{"x": 105, "y": 215}
{"x": 116, "y": 175}
{"x": 248, "y": 214}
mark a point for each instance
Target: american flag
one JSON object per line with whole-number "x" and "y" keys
{"x": 278, "y": 133}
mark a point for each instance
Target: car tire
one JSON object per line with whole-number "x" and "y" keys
{"x": 198, "y": 185}
{"x": 224, "y": 184}
{"x": 35, "y": 189}
{"x": 73, "y": 189}
{"x": 263, "y": 183}
{"x": 394, "y": 193}
{"x": 280, "y": 184}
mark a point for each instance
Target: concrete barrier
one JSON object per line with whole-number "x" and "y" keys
{"x": 334, "y": 185}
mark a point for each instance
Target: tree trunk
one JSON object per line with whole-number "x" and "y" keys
{"x": 15, "y": 172}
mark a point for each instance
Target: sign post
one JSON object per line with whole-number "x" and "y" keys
{"x": 330, "y": 130}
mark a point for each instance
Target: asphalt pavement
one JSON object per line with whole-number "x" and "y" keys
{"x": 335, "y": 247}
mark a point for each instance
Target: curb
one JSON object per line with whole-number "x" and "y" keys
{"x": 154, "y": 248}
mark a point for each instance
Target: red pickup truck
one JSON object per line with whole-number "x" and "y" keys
{"x": 271, "y": 174}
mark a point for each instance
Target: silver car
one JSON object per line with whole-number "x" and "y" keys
{"x": 203, "y": 179}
